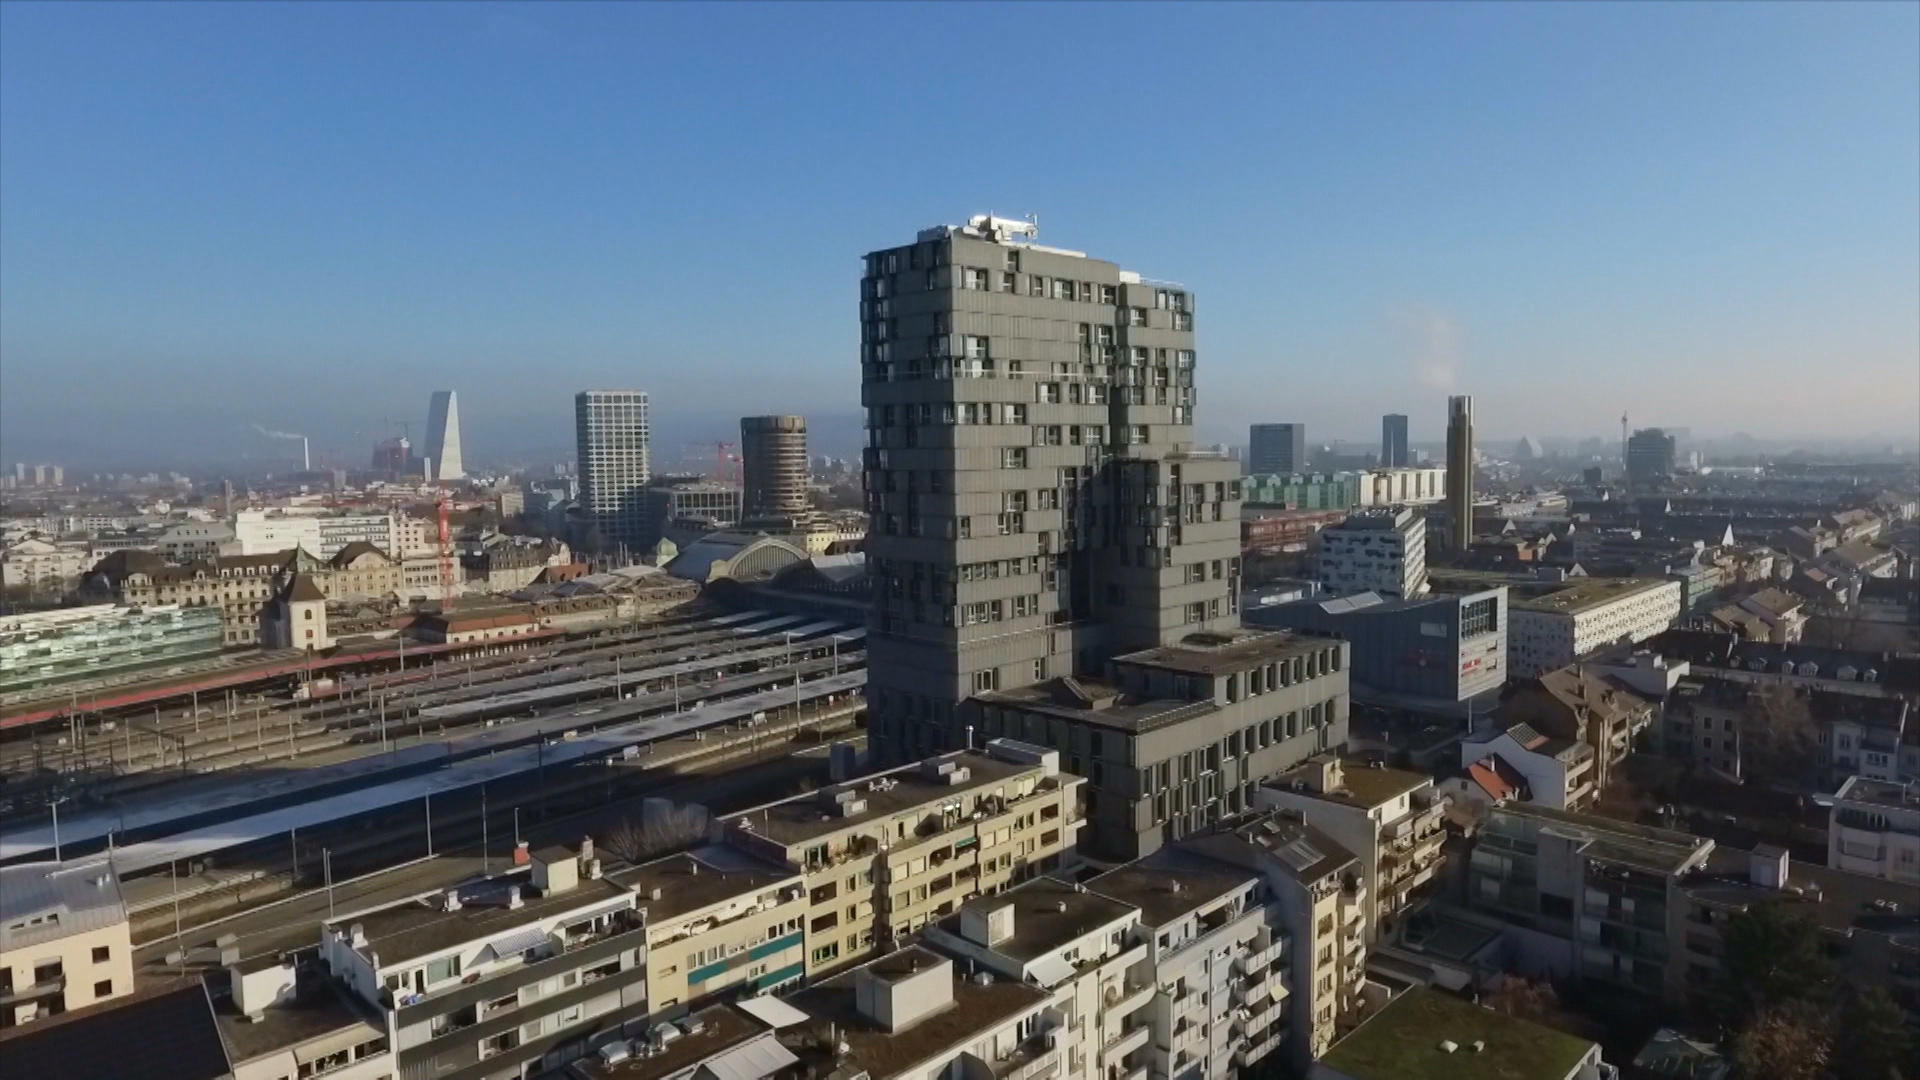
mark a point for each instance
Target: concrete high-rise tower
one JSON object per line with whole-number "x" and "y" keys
{"x": 443, "y": 436}
{"x": 1035, "y": 505}
{"x": 610, "y": 435}
{"x": 1279, "y": 449}
{"x": 1393, "y": 442}
{"x": 773, "y": 465}
{"x": 1460, "y": 472}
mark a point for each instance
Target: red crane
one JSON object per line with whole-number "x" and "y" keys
{"x": 446, "y": 556}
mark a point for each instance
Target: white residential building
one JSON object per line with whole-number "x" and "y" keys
{"x": 266, "y": 532}
{"x": 1382, "y": 551}
{"x": 1417, "y": 486}
{"x": 44, "y": 564}
{"x": 1216, "y": 954}
{"x": 1086, "y": 950}
{"x": 1553, "y": 629}
{"x": 1559, "y": 772}
{"x": 1874, "y": 828}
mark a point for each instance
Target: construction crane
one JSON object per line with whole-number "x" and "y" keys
{"x": 446, "y": 554}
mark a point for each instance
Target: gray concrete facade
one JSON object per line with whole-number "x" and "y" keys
{"x": 1278, "y": 449}
{"x": 611, "y": 438}
{"x": 1035, "y": 503}
{"x": 1460, "y": 472}
{"x": 773, "y": 465}
{"x": 1442, "y": 650}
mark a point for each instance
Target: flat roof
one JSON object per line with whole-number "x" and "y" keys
{"x": 695, "y": 880}
{"x": 1402, "y": 1042}
{"x": 975, "y": 1010}
{"x": 1170, "y": 884}
{"x": 1220, "y": 652}
{"x": 1118, "y": 710}
{"x": 1047, "y": 914}
{"x": 1662, "y": 850}
{"x": 1578, "y": 595}
{"x": 1862, "y": 789}
{"x": 1361, "y": 783}
{"x": 317, "y": 1010}
{"x": 803, "y": 817}
{"x": 163, "y": 1032}
{"x": 1837, "y": 900}
{"x": 722, "y": 1027}
{"x": 415, "y": 928}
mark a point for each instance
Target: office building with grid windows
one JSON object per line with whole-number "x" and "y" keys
{"x": 610, "y": 430}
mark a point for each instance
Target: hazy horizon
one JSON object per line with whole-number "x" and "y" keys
{"x": 308, "y": 217}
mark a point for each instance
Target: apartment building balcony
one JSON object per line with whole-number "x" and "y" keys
{"x": 1127, "y": 999}
{"x": 1254, "y": 1051}
{"x": 1037, "y": 1058}
{"x": 1259, "y": 957}
{"x": 1125, "y": 1042}
{"x": 1258, "y": 991}
{"x": 1138, "y": 1072}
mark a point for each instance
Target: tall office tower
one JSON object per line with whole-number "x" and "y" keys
{"x": 1393, "y": 442}
{"x": 1650, "y": 458}
{"x": 610, "y": 434}
{"x": 1276, "y": 448}
{"x": 773, "y": 465}
{"x": 1460, "y": 471}
{"x": 443, "y": 436}
{"x": 1035, "y": 505}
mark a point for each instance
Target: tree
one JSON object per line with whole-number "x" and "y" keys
{"x": 1784, "y": 1042}
{"x": 1779, "y": 739}
{"x": 663, "y": 830}
{"x": 1772, "y": 958}
{"x": 1879, "y": 1044}
{"x": 1527, "y": 1000}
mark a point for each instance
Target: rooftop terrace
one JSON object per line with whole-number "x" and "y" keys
{"x": 1403, "y": 1042}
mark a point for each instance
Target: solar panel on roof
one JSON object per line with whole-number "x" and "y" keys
{"x": 1299, "y": 854}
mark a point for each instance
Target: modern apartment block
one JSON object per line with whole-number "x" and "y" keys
{"x": 1392, "y": 820}
{"x": 1600, "y": 895}
{"x": 916, "y": 1015}
{"x": 508, "y": 976}
{"x": 1460, "y": 472}
{"x": 884, "y": 856}
{"x": 64, "y": 942}
{"x": 1382, "y": 551}
{"x": 1316, "y": 907}
{"x": 1393, "y": 442}
{"x": 1175, "y": 739}
{"x": 717, "y": 919}
{"x": 611, "y": 442}
{"x": 1086, "y": 950}
{"x": 773, "y": 465}
{"x": 1874, "y": 828}
{"x": 1404, "y": 486}
{"x": 1035, "y": 503}
{"x": 442, "y": 448}
{"x": 1215, "y": 953}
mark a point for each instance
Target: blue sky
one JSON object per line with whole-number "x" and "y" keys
{"x": 311, "y": 215}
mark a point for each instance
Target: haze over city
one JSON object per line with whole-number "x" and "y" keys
{"x": 1700, "y": 215}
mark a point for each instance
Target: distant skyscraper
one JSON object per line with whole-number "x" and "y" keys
{"x": 610, "y": 433}
{"x": 773, "y": 464}
{"x": 1393, "y": 442}
{"x": 1460, "y": 471}
{"x": 1650, "y": 457}
{"x": 1277, "y": 448}
{"x": 443, "y": 436}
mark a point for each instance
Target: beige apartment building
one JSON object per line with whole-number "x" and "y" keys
{"x": 64, "y": 943}
{"x": 1391, "y": 819}
{"x": 717, "y": 918}
{"x": 884, "y": 855}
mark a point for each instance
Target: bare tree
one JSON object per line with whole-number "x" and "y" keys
{"x": 1779, "y": 739}
{"x": 658, "y": 832}
{"x": 1784, "y": 1042}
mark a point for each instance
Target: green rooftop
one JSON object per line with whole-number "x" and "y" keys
{"x": 1403, "y": 1043}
